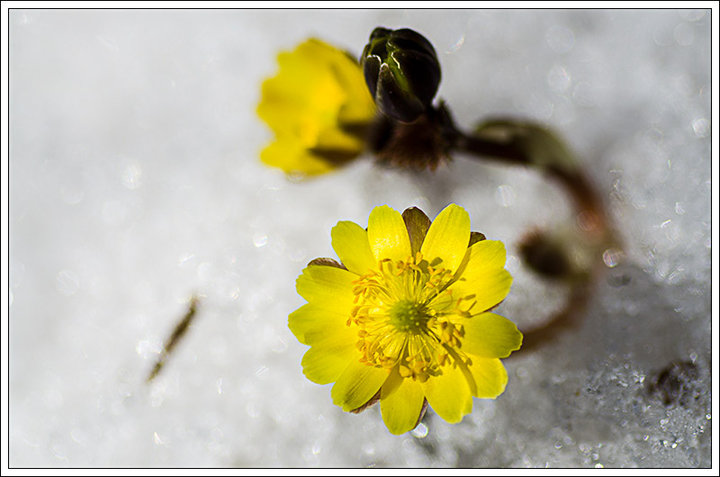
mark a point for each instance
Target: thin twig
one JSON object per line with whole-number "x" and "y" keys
{"x": 178, "y": 332}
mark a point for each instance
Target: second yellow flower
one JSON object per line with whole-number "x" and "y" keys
{"x": 318, "y": 107}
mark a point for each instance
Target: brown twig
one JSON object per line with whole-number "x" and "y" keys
{"x": 178, "y": 332}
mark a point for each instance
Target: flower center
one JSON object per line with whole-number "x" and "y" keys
{"x": 403, "y": 316}
{"x": 409, "y": 317}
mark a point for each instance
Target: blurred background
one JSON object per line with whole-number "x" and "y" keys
{"x": 135, "y": 184}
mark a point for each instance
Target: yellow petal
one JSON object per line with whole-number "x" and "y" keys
{"x": 350, "y": 242}
{"x": 323, "y": 364}
{"x": 387, "y": 234}
{"x": 306, "y": 70}
{"x": 312, "y": 324}
{"x": 290, "y": 156}
{"x": 334, "y": 139}
{"x": 314, "y": 49}
{"x": 349, "y": 92}
{"x": 449, "y": 394}
{"x": 357, "y": 384}
{"x": 482, "y": 276}
{"x": 401, "y": 404}
{"x": 302, "y": 99}
{"x": 447, "y": 238}
{"x": 490, "y": 336}
{"x": 359, "y": 106}
{"x": 300, "y": 116}
{"x": 490, "y": 377}
{"x": 484, "y": 255}
{"x": 327, "y": 287}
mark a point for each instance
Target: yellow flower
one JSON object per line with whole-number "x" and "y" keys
{"x": 404, "y": 318}
{"x": 318, "y": 106}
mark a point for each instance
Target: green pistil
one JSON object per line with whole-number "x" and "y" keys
{"x": 409, "y": 317}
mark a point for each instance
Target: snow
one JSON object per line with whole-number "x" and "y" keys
{"x": 135, "y": 184}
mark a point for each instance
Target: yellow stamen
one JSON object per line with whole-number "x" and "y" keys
{"x": 402, "y": 312}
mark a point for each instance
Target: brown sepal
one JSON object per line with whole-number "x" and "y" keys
{"x": 327, "y": 262}
{"x": 422, "y": 412}
{"x": 475, "y": 237}
{"x": 421, "y": 144}
{"x": 373, "y": 400}
{"x": 417, "y": 224}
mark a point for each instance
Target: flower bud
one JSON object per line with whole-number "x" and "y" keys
{"x": 402, "y": 72}
{"x": 546, "y": 255}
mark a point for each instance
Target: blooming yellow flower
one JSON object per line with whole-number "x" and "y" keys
{"x": 318, "y": 107}
{"x": 404, "y": 318}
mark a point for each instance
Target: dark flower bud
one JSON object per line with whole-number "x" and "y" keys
{"x": 546, "y": 255}
{"x": 402, "y": 72}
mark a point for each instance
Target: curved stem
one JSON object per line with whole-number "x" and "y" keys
{"x": 589, "y": 208}
{"x": 575, "y": 183}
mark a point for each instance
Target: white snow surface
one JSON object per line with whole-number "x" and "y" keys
{"x": 135, "y": 182}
